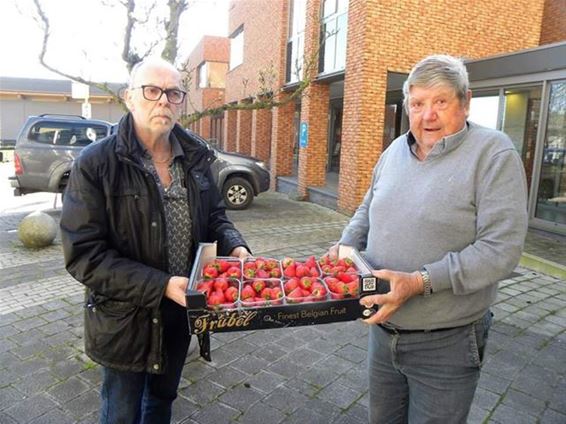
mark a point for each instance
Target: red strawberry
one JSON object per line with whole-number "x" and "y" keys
{"x": 260, "y": 263}
{"x": 305, "y": 283}
{"x": 276, "y": 293}
{"x": 301, "y": 270}
{"x": 331, "y": 282}
{"x": 249, "y": 272}
{"x": 313, "y": 272}
{"x": 248, "y": 292}
{"x": 258, "y": 285}
{"x": 272, "y": 264}
{"x": 352, "y": 288}
{"x": 262, "y": 273}
{"x": 221, "y": 284}
{"x": 318, "y": 290}
{"x": 213, "y": 264}
{"x": 210, "y": 272}
{"x": 205, "y": 287}
{"x": 266, "y": 293}
{"x": 216, "y": 298}
{"x": 231, "y": 294}
{"x": 291, "y": 285}
{"x": 287, "y": 262}
{"x": 249, "y": 265}
{"x": 348, "y": 262}
{"x": 347, "y": 278}
{"x": 310, "y": 262}
{"x": 275, "y": 273}
{"x": 295, "y": 296}
{"x": 327, "y": 268}
{"x": 234, "y": 272}
{"x": 289, "y": 271}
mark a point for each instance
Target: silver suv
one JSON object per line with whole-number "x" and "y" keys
{"x": 47, "y": 145}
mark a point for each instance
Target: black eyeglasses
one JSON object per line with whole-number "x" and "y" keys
{"x": 153, "y": 94}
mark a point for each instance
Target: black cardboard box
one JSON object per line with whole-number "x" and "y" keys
{"x": 237, "y": 317}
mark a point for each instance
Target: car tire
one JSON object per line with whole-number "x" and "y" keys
{"x": 238, "y": 193}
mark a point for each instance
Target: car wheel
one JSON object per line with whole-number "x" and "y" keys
{"x": 238, "y": 193}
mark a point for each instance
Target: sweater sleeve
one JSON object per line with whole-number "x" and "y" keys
{"x": 501, "y": 227}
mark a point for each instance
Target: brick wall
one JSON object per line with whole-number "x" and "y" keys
{"x": 282, "y": 141}
{"x": 265, "y": 36}
{"x": 553, "y": 22}
{"x": 230, "y": 130}
{"x": 393, "y": 36}
{"x": 261, "y": 134}
{"x": 244, "y": 132}
{"x": 314, "y": 109}
{"x": 213, "y": 49}
{"x": 264, "y": 22}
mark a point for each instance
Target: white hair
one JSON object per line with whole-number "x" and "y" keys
{"x": 438, "y": 70}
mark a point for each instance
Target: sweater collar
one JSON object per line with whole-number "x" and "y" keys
{"x": 442, "y": 146}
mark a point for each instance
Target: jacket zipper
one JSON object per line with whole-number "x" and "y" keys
{"x": 153, "y": 184}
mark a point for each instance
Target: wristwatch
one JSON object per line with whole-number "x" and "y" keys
{"x": 427, "y": 285}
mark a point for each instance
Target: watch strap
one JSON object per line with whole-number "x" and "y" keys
{"x": 427, "y": 285}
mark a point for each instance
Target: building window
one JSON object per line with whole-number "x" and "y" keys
{"x": 296, "y": 41}
{"x": 212, "y": 75}
{"x": 237, "y": 48}
{"x": 484, "y": 109}
{"x": 551, "y": 193}
{"x": 334, "y": 33}
{"x": 202, "y": 75}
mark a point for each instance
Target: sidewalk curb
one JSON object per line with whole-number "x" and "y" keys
{"x": 545, "y": 266}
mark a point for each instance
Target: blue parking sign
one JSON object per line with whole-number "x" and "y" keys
{"x": 304, "y": 135}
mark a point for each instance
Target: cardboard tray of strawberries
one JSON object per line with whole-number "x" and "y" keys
{"x": 228, "y": 294}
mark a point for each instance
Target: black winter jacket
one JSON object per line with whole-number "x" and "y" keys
{"x": 114, "y": 242}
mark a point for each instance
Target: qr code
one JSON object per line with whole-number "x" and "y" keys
{"x": 369, "y": 284}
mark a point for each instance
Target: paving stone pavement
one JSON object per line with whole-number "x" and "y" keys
{"x": 297, "y": 375}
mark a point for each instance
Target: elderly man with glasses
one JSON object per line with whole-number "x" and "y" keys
{"x": 136, "y": 207}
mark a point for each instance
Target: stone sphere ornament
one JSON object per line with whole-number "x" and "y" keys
{"x": 37, "y": 230}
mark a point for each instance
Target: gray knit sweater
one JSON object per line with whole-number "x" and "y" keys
{"x": 461, "y": 213}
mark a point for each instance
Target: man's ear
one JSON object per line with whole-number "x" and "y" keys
{"x": 128, "y": 99}
{"x": 468, "y": 100}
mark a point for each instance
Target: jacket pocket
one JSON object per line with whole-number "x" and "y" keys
{"x": 202, "y": 181}
{"x": 117, "y": 332}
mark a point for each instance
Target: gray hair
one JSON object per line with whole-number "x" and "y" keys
{"x": 438, "y": 70}
{"x": 148, "y": 62}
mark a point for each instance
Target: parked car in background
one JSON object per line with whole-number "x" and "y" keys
{"x": 238, "y": 177}
{"x": 47, "y": 145}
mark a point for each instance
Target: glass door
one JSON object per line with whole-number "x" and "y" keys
{"x": 551, "y": 192}
{"x": 520, "y": 122}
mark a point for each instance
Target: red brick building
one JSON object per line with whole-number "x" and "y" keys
{"x": 352, "y": 109}
{"x": 207, "y": 65}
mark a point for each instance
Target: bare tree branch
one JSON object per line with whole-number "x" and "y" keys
{"x": 176, "y": 9}
{"x": 46, "y": 34}
{"x": 128, "y": 55}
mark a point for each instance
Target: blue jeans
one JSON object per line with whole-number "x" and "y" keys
{"x": 140, "y": 397}
{"x": 425, "y": 377}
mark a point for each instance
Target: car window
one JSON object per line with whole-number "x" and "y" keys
{"x": 67, "y": 133}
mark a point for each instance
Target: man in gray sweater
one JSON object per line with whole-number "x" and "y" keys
{"x": 443, "y": 221}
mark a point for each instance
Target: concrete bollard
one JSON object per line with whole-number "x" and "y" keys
{"x": 37, "y": 230}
